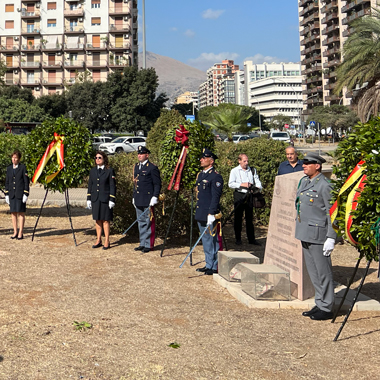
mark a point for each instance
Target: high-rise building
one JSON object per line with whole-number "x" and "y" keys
{"x": 273, "y": 89}
{"x": 324, "y": 26}
{"x": 46, "y": 44}
{"x": 219, "y": 87}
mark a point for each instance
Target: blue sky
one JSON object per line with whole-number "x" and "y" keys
{"x": 201, "y": 33}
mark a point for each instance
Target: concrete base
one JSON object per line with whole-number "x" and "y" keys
{"x": 363, "y": 303}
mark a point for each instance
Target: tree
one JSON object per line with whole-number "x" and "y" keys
{"x": 279, "y": 121}
{"x": 15, "y": 92}
{"x": 361, "y": 65}
{"x": 20, "y": 110}
{"x": 3, "y": 70}
{"x": 335, "y": 116}
{"x": 229, "y": 120}
{"x": 185, "y": 109}
{"x": 54, "y": 105}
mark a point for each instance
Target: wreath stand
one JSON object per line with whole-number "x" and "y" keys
{"x": 67, "y": 200}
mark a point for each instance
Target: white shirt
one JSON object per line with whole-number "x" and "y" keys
{"x": 101, "y": 167}
{"x": 141, "y": 164}
{"x": 238, "y": 176}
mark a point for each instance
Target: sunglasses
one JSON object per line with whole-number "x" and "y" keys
{"x": 98, "y": 157}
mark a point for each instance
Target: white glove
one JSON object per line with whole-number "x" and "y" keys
{"x": 24, "y": 198}
{"x": 89, "y": 206}
{"x": 328, "y": 247}
{"x": 153, "y": 201}
{"x": 7, "y": 199}
{"x": 210, "y": 219}
{"x": 111, "y": 204}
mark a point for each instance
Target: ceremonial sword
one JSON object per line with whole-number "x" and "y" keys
{"x": 136, "y": 221}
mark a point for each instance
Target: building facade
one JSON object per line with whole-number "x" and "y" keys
{"x": 46, "y": 44}
{"x": 188, "y": 97}
{"x": 324, "y": 26}
{"x": 219, "y": 86}
{"x": 273, "y": 89}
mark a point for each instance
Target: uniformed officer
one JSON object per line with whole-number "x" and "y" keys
{"x": 17, "y": 193}
{"x": 147, "y": 187}
{"x": 314, "y": 229}
{"x": 209, "y": 190}
{"x": 101, "y": 196}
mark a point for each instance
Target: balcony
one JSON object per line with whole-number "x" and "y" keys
{"x": 329, "y": 86}
{"x": 9, "y": 48}
{"x": 30, "y": 15}
{"x": 13, "y": 65}
{"x": 125, "y": 46}
{"x": 334, "y": 50}
{"x": 327, "y": 7}
{"x": 348, "y": 31}
{"x": 330, "y": 29}
{"x": 69, "y": 81}
{"x": 73, "y": 63}
{"x": 74, "y": 47}
{"x": 309, "y": 28}
{"x": 73, "y": 12}
{"x": 96, "y": 47}
{"x": 56, "y": 47}
{"x": 356, "y": 15}
{"x": 79, "y": 29}
{"x": 331, "y": 74}
{"x": 117, "y": 63}
{"x": 31, "y": 65}
{"x": 52, "y": 82}
{"x": 51, "y": 65}
{"x": 125, "y": 10}
{"x": 119, "y": 28}
{"x": 330, "y": 40}
{"x": 30, "y": 47}
{"x": 96, "y": 63}
{"x": 304, "y": 2}
{"x": 314, "y": 37}
{"x": 31, "y": 30}
{"x": 331, "y": 98}
{"x": 316, "y": 57}
{"x": 352, "y": 4}
{"x": 330, "y": 17}
{"x": 30, "y": 82}
{"x": 328, "y": 64}
{"x": 313, "y": 6}
{"x": 316, "y": 89}
{"x": 11, "y": 82}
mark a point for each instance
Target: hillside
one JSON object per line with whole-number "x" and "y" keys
{"x": 174, "y": 76}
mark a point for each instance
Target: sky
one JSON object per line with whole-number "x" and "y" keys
{"x": 203, "y": 32}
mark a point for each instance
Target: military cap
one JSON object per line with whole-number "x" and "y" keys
{"x": 143, "y": 150}
{"x": 207, "y": 153}
{"x": 313, "y": 158}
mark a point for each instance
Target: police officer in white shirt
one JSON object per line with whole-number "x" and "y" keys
{"x": 245, "y": 181}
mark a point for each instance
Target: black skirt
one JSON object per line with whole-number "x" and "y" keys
{"x": 101, "y": 211}
{"x": 17, "y": 205}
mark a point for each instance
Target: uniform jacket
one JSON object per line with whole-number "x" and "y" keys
{"x": 313, "y": 222}
{"x": 101, "y": 187}
{"x": 209, "y": 190}
{"x": 18, "y": 184}
{"x": 147, "y": 183}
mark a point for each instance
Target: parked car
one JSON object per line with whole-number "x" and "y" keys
{"x": 97, "y": 141}
{"x": 123, "y": 144}
{"x": 238, "y": 138}
{"x": 281, "y": 136}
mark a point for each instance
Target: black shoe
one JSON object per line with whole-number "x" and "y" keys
{"x": 310, "y": 312}
{"x": 254, "y": 242}
{"x": 97, "y": 245}
{"x": 14, "y": 237}
{"x": 204, "y": 269}
{"x": 210, "y": 272}
{"x": 140, "y": 248}
{"x": 20, "y": 238}
{"x": 321, "y": 315}
{"x": 105, "y": 248}
{"x": 238, "y": 242}
{"x": 145, "y": 250}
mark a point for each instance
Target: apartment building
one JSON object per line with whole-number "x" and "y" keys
{"x": 45, "y": 44}
{"x": 324, "y": 26}
{"x": 219, "y": 86}
{"x": 273, "y": 89}
{"x": 188, "y": 97}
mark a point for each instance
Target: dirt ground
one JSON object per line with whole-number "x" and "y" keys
{"x": 139, "y": 304}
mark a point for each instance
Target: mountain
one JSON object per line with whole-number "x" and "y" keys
{"x": 174, "y": 76}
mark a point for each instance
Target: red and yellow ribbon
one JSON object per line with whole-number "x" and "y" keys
{"x": 55, "y": 146}
{"x": 356, "y": 178}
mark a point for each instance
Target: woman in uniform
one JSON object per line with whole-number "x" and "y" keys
{"x": 16, "y": 193}
{"x": 101, "y": 197}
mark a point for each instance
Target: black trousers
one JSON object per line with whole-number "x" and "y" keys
{"x": 243, "y": 206}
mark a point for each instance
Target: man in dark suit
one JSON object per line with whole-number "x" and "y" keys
{"x": 209, "y": 190}
{"x": 147, "y": 187}
{"x": 314, "y": 229}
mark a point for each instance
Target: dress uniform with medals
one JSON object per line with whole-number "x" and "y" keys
{"x": 209, "y": 190}
{"x": 16, "y": 187}
{"x": 147, "y": 187}
{"x": 314, "y": 229}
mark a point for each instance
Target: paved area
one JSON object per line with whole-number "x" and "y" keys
{"x": 364, "y": 303}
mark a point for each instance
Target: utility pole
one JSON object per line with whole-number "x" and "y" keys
{"x": 144, "y": 37}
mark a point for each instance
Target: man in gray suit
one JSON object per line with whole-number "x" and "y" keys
{"x": 314, "y": 229}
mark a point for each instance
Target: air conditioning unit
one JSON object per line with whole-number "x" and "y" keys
{"x": 22, "y": 53}
{"x": 38, "y": 5}
{"x": 126, "y": 36}
{"x": 80, "y": 19}
{"x": 15, "y": 38}
{"x": 36, "y": 89}
{"x": 18, "y": 9}
{"x": 59, "y": 53}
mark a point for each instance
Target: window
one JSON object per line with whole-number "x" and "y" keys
{"x": 52, "y": 23}
{"x": 95, "y": 3}
{"x": 95, "y": 20}
{"x": 9, "y": 8}
{"x": 9, "y": 24}
{"x": 51, "y": 5}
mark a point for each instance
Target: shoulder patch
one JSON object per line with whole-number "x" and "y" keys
{"x": 218, "y": 184}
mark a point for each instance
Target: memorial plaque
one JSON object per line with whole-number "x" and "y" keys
{"x": 282, "y": 248}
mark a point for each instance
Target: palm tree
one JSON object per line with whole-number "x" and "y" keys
{"x": 229, "y": 121}
{"x": 361, "y": 65}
